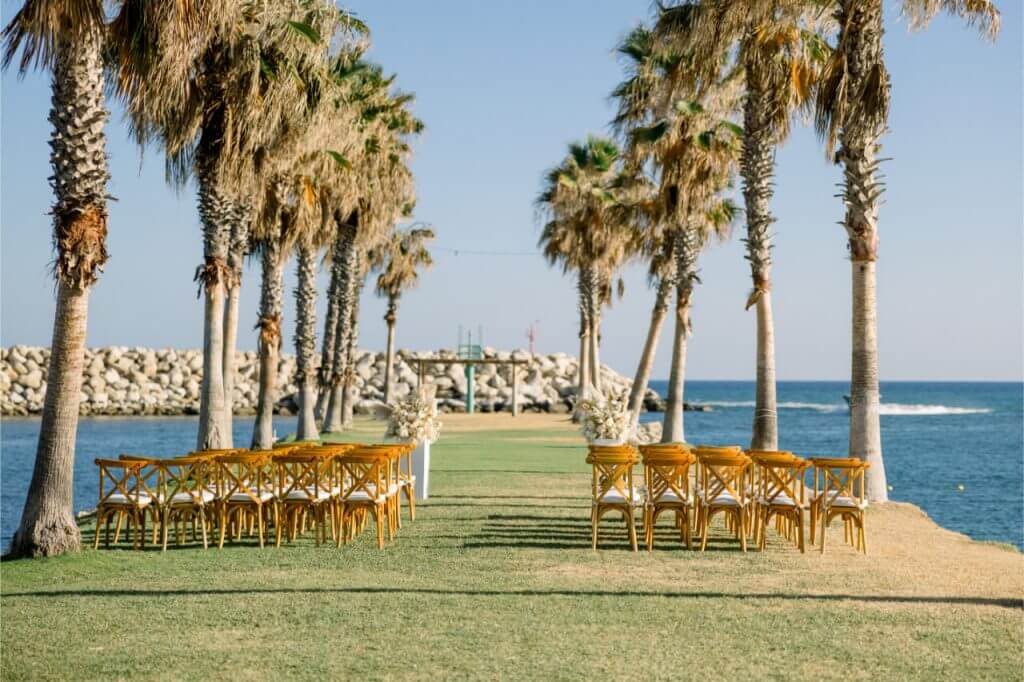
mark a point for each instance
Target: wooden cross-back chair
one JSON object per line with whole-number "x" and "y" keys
{"x": 244, "y": 493}
{"x": 667, "y": 478}
{"x": 723, "y": 489}
{"x": 400, "y": 482}
{"x": 302, "y": 487}
{"x": 839, "y": 491}
{"x": 128, "y": 489}
{"x": 779, "y": 493}
{"x": 364, "y": 476}
{"x": 612, "y": 487}
{"x": 184, "y": 496}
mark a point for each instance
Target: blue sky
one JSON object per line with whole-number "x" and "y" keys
{"x": 503, "y": 87}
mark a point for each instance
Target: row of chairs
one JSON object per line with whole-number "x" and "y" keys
{"x": 750, "y": 489}
{"x": 330, "y": 489}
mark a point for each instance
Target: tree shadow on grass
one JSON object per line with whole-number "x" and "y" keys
{"x": 1016, "y": 604}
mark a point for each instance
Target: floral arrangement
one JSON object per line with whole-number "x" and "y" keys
{"x": 414, "y": 419}
{"x": 605, "y": 417}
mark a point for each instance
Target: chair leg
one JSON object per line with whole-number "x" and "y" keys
{"x": 704, "y": 529}
{"x": 632, "y": 528}
{"x": 117, "y": 527}
{"x": 222, "y": 515}
{"x": 379, "y": 515}
{"x": 863, "y": 537}
{"x": 202, "y": 526}
{"x": 411, "y": 492}
{"x": 824, "y": 527}
{"x": 800, "y": 530}
{"x": 742, "y": 521}
{"x": 594, "y": 519}
{"x": 99, "y": 522}
{"x": 649, "y": 528}
{"x": 342, "y": 539}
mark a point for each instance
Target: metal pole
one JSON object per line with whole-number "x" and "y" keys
{"x": 470, "y": 374}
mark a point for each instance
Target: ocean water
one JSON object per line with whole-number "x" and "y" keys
{"x": 98, "y": 437}
{"x": 935, "y": 437}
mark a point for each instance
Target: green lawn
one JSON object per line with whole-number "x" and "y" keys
{"x": 496, "y": 579}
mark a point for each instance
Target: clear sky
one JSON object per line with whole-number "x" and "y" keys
{"x": 502, "y": 88}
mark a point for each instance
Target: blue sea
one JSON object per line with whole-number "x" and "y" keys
{"x": 936, "y": 437}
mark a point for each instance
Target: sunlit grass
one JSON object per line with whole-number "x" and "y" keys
{"x": 496, "y": 578}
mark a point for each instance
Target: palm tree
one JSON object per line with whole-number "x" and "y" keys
{"x": 211, "y": 94}
{"x": 376, "y": 192}
{"x": 679, "y": 121}
{"x": 399, "y": 261}
{"x": 645, "y": 70}
{"x": 67, "y": 38}
{"x": 776, "y": 45}
{"x": 237, "y": 250}
{"x": 581, "y": 233}
{"x": 852, "y": 107}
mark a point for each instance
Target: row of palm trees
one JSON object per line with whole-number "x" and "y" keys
{"x": 712, "y": 87}
{"x": 296, "y": 144}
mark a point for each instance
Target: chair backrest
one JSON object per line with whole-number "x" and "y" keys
{"x": 666, "y": 470}
{"x": 836, "y": 477}
{"x": 612, "y": 467}
{"x": 716, "y": 450}
{"x": 242, "y": 474}
{"x": 216, "y": 452}
{"x": 724, "y": 475}
{"x": 779, "y": 477}
{"x": 298, "y": 473}
{"x": 183, "y": 476}
{"x": 363, "y": 472}
{"x": 295, "y": 444}
{"x": 135, "y": 479}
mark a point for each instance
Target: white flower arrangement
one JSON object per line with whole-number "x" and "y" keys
{"x": 605, "y": 417}
{"x": 414, "y": 419}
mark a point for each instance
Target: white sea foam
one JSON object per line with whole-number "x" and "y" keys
{"x": 894, "y": 409}
{"x": 888, "y": 409}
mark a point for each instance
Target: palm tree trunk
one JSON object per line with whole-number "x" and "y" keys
{"x": 594, "y": 301}
{"x": 214, "y": 212}
{"x": 390, "y": 318}
{"x": 672, "y": 427}
{"x": 583, "y": 390}
{"x": 757, "y": 167}
{"x": 305, "y": 342}
{"x": 686, "y": 249}
{"x": 643, "y": 369}
{"x": 766, "y": 422}
{"x": 350, "y": 396}
{"x": 859, "y": 145}
{"x": 80, "y": 175}
{"x": 349, "y": 269}
{"x": 330, "y": 331}
{"x": 236, "y": 257}
{"x": 271, "y": 294}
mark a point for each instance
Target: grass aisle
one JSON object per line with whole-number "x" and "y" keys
{"x": 496, "y": 579}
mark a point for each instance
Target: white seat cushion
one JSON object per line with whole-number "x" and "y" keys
{"x": 264, "y": 496}
{"x": 846, "y": 502}
{"x": 723, "y": 499}
{"x": 363, "y": 496}
{"x": 668, "y": 496}
{"x": 613, "y": 496}
{"x": 141, "y": 500}
{"x": 782, "y": 500}
{"x": 190, "y": 498}
{"x": 318, "y": 495}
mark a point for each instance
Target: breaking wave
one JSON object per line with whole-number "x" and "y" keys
{"x": 888, "y": 409}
